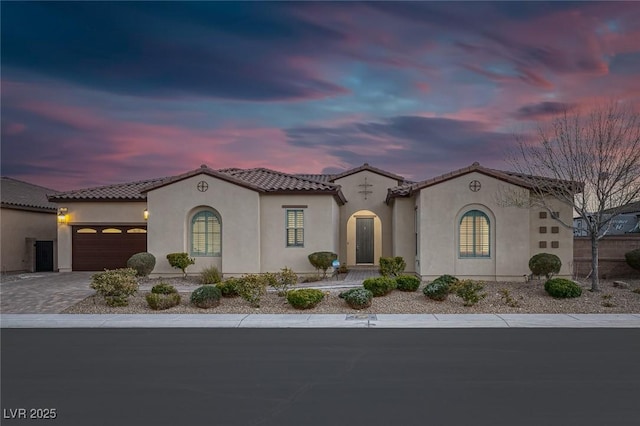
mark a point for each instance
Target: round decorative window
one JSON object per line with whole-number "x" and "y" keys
{"x": 475, "y": 186}
{"x": 202, "y": 186}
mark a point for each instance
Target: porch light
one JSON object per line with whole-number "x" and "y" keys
{"x": 145, "y": 213}
{"x": 62, "y": 215}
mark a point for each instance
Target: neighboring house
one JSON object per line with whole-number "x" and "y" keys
{"x": 627, "y": 221}
{"x": 29, "y": 229}
{"x": 260, "y": 220}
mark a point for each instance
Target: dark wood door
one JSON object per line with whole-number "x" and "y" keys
{"x": 364, "y": 240}
{"x": 96, "y": 248}
{"x": 44, "y": 256}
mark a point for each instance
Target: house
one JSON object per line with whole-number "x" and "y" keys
{"x": 29, "y": 229}
{"x": 260, "y": 220}
{"x": 626, "y": 221}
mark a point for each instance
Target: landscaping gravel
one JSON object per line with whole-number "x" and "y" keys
{"x": 529, "y": 297}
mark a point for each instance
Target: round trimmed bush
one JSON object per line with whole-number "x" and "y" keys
{"x": 357, "y": 298}
{"x": 407, "y": 283}
{"x": 161, "y": 301}
{"x": 545, "y": 264}
{"x": 379, "y": 286}
{"x": 143, "y": 263}
{"x": 163, "y": 288}
{"x": 115, "y": 285}
{"x": 561, "y": 288}
{"x": 633, "y": 258}
{"x": 304, "y": 298}
{"x": 436, "y": 290}
{"x": 229, "y": 287}
{"x": 207, "y": 296}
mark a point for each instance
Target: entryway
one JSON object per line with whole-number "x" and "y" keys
{"x": 364, "y": 238}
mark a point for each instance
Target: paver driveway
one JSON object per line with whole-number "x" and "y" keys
{"x": 44, "y": 292}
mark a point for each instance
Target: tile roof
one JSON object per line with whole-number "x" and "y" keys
{"x": 319, "y": 177}
{"x": 510, "y": 177}
{"x": 23, "y": 195}
{"x": 367, "y": 167}
{"x": 271, "y": 180}
{"x": 130, "y": 191}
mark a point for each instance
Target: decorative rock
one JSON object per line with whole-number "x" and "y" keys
{"x": 621, "y": 284}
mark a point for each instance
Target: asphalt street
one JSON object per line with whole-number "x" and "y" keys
{"x": 213, "y": 376}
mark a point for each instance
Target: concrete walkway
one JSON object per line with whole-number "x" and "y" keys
{"x": 35, "y": 300}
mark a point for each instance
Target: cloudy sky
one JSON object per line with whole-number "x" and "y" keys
{"x": 100, "y": 93}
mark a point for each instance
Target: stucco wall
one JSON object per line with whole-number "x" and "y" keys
{"x": 404, "y": 230}
{"x": 552, "y": 233}
{"x": 320, "y": 226}
{"x": 94, "y": 213}
{"x": 171, "y": 208}
{"x": 17, "y": 226}
{"x": 441, "y": 208}
{"x": 375, "y": 203}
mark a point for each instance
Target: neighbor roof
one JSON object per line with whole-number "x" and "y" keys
{"x": 130, "y": 191}
{"x": 22, "y": 195}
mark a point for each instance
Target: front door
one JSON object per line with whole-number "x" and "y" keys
{"x": 364, "y": 240}
{"x": 44, "y": 256}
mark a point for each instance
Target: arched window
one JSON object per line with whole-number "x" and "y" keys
{"x": 206, "y": 234}
{"x": 474, "y": 234}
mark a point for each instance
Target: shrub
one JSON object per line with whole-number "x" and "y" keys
{"x": 545, "y": 264}
{"x": 392, "y": 266}
{"x": 229, "y": 287}
{"x": 322, "y": 260}
{"x": 283, "y": 280}
{"x": 252, "y": 287}
{"x": 304, "y": 298}
{"x": 505, "y": 295}
{"x": 163, "y": 288}
{"x": 357, "y": 298}
{"x": 115, "y": 285}
{"x": 468, "y": 291}
{"x": 210, "y": 275}
{"x": 440, "y": 288}
{"x": 407, "y": 283}
{"x": 343, "y": 269}
{"x": 180, "y": 261}
{"x": 379, "y": 286}
{"x": 161, "y": 301}
{"x": 207, "y": 296}
{"x": 143, "y": 263}
{"x": 633, "y": 258}
{"x": 561, "y": 288}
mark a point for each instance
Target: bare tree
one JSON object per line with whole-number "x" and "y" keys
{"x": 590, "y": 161}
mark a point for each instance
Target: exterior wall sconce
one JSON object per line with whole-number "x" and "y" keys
{"x": 63, "y": 217}
{"x": 145, "y": 213}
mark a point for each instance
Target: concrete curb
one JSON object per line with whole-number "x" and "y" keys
{"x": 8, "y": 321}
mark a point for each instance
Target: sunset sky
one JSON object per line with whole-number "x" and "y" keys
{"x": 100, "y": 93}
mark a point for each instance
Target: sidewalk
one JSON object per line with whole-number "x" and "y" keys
{"x": 322, "y": 321}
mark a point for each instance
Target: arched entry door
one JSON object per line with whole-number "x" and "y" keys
{"x": 364, "y": 240}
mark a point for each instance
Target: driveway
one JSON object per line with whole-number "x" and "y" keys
{"x": 43, "y": 292}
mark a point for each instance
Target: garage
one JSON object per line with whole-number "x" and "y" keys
{"x": 95, "y": 248}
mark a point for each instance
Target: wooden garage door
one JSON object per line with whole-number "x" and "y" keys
{"x": 95, "y": 248}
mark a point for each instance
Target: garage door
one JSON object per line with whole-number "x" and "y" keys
{"x": 95, "y": 248}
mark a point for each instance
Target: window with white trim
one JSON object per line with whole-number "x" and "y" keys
{"x": 295, "y": 228}
{"x": 206, "y": 234}
{"x": 474, "y": 235}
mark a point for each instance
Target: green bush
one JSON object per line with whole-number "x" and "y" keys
{"x": 469, "y": 291}
{"x": 163, "y": 288}
{"x": 252, "y": 287}
{"x": 379, "y": 286}
{"x": 633, "y": 258}
{"x": 392, "y": 266}
{"x": 229, "y": 287}
{"x": 407, "y": 283}
{"x": 322, "y": 260}
{"x": 143, "y": 263}
{"x": 115, "y": 285}
{"x": 207, "y": 296}
{"x": 343, "y": 269}
{"x": 357, "y": 298}
{"x": 440, "y": 288}
{"x": 546, "y": 264}
{"x": 210, "y": 275}
{"x": 161, "y": 301}
{"x": 304, "y": 298}
{"x": 282, "y": 280}
{"x": 180, "y": 261}
{"x": 561, "y": 288}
